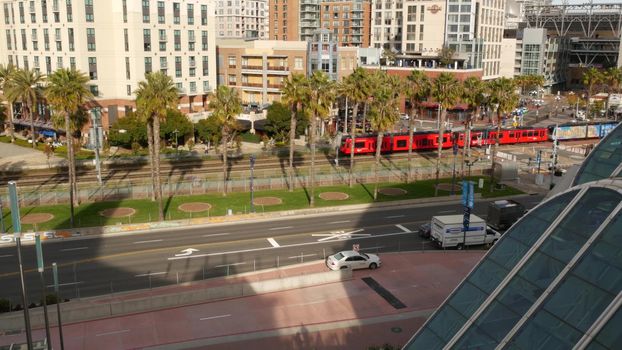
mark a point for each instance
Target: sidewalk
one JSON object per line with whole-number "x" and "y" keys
{"x": 341, "y": 315}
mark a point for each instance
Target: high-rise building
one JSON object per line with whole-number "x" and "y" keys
{"x": 473, "y": 29}
{"x": 242, "y": 19}
{"x": 115, "y": 44}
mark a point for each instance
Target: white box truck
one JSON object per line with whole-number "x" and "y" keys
{"x": 447, "y": 231}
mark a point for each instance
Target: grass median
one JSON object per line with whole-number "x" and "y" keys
{"x": 211, "y": 205}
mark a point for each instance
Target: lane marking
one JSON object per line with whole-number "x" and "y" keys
{"x": 234, "y": 264}
{"x": 339, "y": 222}
{"x": 150, "y": 274}
{"x": 65, "y": 284}
{"x": 394, "y": 216}
{"x": 214, "y": 317}
{"x": 72, "y": 249}
{"x": 273, "y": 242}
{"x": 403, "y": 228}
{"x": 301, "y": 256}
{"x": 6, "y": 256}
{"x": 110, "y": 333}
{"x": 217, "y": 234}
{"x": 280, "y": 228}
{"x": 151, "y": 241}
{"x": 447, "y": 211}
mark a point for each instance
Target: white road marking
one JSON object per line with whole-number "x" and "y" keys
{"x": 72, "y": 249}
{"x": 65, "y": 284}
{"x": 110, "y": 333}
{"x": 302, "y": 255}
{"x": 267, "y": 248}
{"x": 214, "y": 317}
{"x": 280, "y": 228}
{"x": 234, "y": 264}
{"x": 394, "y": 216}
{"x": 187, "y": 251}
{"x": 339, "y": 222}
{"x": 403, "y": 228}
{"x": 6, "y": 256}
{"x": 447, "y": 211}
{"x": 273, "y": 242}
{"x": 217, "y": 234}
{"x": 151, "y": 241}
{"x": 340, "y": 235}
{"x": 150, "y": 274}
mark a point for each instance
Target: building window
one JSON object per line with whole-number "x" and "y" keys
{"x": 36, "y": 63}
{"x": 129, "y": 90}
{"x": 148, "y": 65}
{"x": 298, "y": 63}
{"x": 21, "y": 13}
{"x": 206, "y": 86}
{"x": 180, "y": 87}
{"x": 88, "y": 10}
{"x": 126, "y": 40}
{"x": 24, "y": 41}
{"x": 177, "y": 66}
{"x": 71, "y": 39}
{"x": 147, "y": 39}
{"x": 44, "y": 11}
{"x": 231, "y": 79}
{"x": 124, "y": 5}
{"x": 69, "y": 11}
{"x": 35, "y": 43}
{"x": 8, "y": 40}
{"x": 46, "y": 39}
{"x": 177, "y": 40}
{"x": 232, "y": 62}
{"x": 6, "y": 14}
{"x": 146, "y": 11}
{"x": 72, "y": 62}
{"x": 205, "y": 66}
{"x": 48, "y": 65}
{"x": 127, "y": 68}
{"x": 26, "y": 63}
{"x": 190, "y": 14}
{"x": 92, "y": 68}
{"x": 94, "y": 90}
{"x": 176, "y": 12}
{"x": 192, "y": 64}
{"x": 191, "y": 40}
{"x": 163, "y": 63}
{"x": 204, "y": 14}
{"x": 90, "y": 39}
{"x": 204, "y": 40}
{"x": 193, "y": 86}
{"x": 161, "y": 14}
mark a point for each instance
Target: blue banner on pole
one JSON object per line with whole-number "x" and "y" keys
{"x": 465, "y": 192}
{"x": 466, "y": 220}
{"x": 471, "y": 196}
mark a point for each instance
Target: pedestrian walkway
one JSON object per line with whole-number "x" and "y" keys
{"x": 340, "y": 315}
{"x": 13, "y": 157}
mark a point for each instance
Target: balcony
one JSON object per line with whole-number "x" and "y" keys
{"x": 275, "y": 86}
{"x": 278, "y": 68}
{"x": 251, "y": 67}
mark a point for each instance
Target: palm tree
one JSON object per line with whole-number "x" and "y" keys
{"x": 384, "y": 114}
{"x": 473, "y": 95}
{"x": 294, "y": 93}
{"x": 321, "y": 97}
{"x": 613, "y": 78}
{"x": 446, "y": 90}
{"x": 355, "y": 88}
{"x": 226, "y": 105}
{"x": 154, "y": 96}
{"x": 6, "y": 75}
{"x": 417, "y": 90}
{"x": 591, "y": 78}
{"x": 503, "y": 95}
{"x": 25, "y": 86}
{"x": 66, "y": 91}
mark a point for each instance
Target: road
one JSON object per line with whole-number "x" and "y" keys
{"x": 92, "y": 266}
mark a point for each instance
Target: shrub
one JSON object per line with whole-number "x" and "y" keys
{"x": 5, "y": 305}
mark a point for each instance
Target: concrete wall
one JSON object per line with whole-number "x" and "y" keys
{"x": 83, "y": 310}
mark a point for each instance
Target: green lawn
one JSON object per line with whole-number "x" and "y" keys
{"x": 88, "y": 215}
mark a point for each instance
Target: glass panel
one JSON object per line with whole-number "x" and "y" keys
{"x": 446, "y": 323}
{"x": 475, "y": 338}
{"x": 602, "y": 266}
{"x": 507, "y": 252}
{"x": 497, "y": 320}
{"x": 426, "y": 340}
{"x": 610, "y": 335}
{"x": 519, "y": 295}
{"x": 541, "y": 269}
{"x": 467, "y": 298}
{"x": 546, "y": 332}
{"x": 603, "y": 159}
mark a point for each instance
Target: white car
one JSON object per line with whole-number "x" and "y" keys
{"x": 353, "y": 260}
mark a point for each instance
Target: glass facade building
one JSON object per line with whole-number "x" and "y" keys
{"x": 554, "y": 280}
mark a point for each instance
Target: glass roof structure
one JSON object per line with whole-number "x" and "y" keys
{"x": 553, "y": 281}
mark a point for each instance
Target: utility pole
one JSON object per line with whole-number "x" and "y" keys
{"x": 554, "y": 155}
{"x": 17, "y": 230}
{"x": 58, "y": 300}
{"x": 41, "y": 269}
{"x": 95, "y": 136}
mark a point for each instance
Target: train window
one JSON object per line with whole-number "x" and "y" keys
{"x": 445, "y": 139}
{"x": 401, "y": 143}
{"x": 359, "y": 144}
{"x": 530, "y": 134}
{"x": 541, "y": 133}
{"x": 511, "y": 134}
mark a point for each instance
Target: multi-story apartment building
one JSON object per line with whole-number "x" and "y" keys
{"x": 115, "y": 43}
{"x": 242, "y": 19}
{"x": 349, "y": 20}
{"x": 472, "y": 28}
{"x": 326, "y": 55}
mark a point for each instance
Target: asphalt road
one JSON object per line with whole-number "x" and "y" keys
{"x": 92, "y": 266}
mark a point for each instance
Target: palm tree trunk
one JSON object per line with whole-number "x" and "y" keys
{"x": 151, "y": 160}
{"x": 411, "y": 131}
{"x": 377, "y": 162}
{"x": 494, "y": 151}
{"x": 74, "y": 175}
{"x": 441, "y": 132}
{"x": 11, "y": 126}
{"x": 32, "y": 125}
{"x": 312, "y": 174}
{"x": 353, "y": 138}
{"x": 156, "y": 152}
{"x": 223, "y": 135}
{"x": 292, "y": 136}
{"x": 71, "y": 170}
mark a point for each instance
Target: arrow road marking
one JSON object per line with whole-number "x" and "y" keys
{"x": 403, "y": 228}
{"x": 214, "y": 317}
{"x": 273, "y": 242}
{"x": 187, "y": 251}
{"x": 339, "y": 235}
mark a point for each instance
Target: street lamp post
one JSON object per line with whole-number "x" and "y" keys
{"x": 252, "y": 161}
{"x": 96, "y": 131}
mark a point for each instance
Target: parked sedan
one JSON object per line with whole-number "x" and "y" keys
{"x": 353, "y": 260}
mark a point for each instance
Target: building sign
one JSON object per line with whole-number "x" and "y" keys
{"x": 434, "y": 9}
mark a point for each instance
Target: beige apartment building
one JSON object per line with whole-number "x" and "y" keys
{"x": 242, "y": 19}
{"x": 115, "y": 43}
